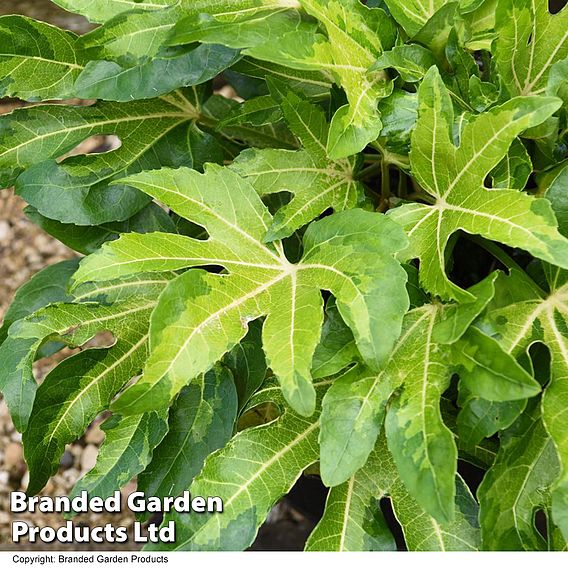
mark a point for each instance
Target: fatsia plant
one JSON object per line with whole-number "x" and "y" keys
{"x": 317, "y": 237}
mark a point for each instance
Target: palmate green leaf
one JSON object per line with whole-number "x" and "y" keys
{"x": 126, "y": 451}
{"x": 316, "y": 182}
{"x": 352, "y": 519}
{"x": 455, "y": 177}
{"x": 529, "y": 41}
{"x": 250, "y": 474}
{"x": 433, "y": 345}
{"x": 517, "y": 486}
{"x": 350, "y": 254}
{"x": 76, "y": 190}
{"x": 200, "y": 422}
{"x": 357, "y": 35}
{"x": 544, "y": 318}
{"x": 80, "y": 387}
{"x": 37, "y": 61}
{"x": 101, "y": 10}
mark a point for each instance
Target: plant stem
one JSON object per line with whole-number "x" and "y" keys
{"x": 369, "y": 170}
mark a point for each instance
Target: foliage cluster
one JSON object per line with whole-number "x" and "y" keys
{"x": 357, "y": 269}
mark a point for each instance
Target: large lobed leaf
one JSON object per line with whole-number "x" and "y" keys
{"x": 455, "y": 177}
{"x": 349, "y": 254}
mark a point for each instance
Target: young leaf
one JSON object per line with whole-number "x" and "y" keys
{"x": 529, "y": 41}
{"x": 411, "y": 61}
{"x": 201, "y": 421}
{"x": 350, "y": 254}
{"x": 455, "y": 177}
{"x": 125, "y": 452}
{"x": 316, "y": 182}
{"x": 353, "y": 52}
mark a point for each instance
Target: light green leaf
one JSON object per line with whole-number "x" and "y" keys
{"x": 316, "y": 182}
{"x": 37, "y": 61}
{"x": 529, "y": 41}
{"x": 354, "y": 45}
{"x": 201, "y": 421}
{"x": 316, "y": 185}
{"x": 349, "y": 254}
{"x": 125, "y": 452}
{"x": 455, "y": 177}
